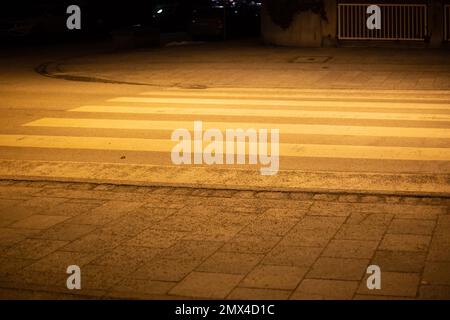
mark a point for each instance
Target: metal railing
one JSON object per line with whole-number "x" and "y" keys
{"x": 398, "y": 22}
{"x": 447, "y": 22}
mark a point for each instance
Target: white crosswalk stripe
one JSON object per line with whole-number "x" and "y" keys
{"x": 333, "y": 118}
{"x": 289, "y": 94}
{"x": 277, "y": 103}
{"x": 280, "y": 113}
{"x": 289, "y": 150}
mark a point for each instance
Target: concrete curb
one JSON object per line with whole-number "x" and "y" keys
{"x": 223, "y": 178}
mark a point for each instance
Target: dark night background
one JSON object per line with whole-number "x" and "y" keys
{"x": 26, "y": 20}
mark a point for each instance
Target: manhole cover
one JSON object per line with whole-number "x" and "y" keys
{"x": 311, "y": 59}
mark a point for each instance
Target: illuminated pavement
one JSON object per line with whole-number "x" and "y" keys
{"x": 389, "y": 139}
{"x": 168, "y": 243}
{"x": 348, "y": 157}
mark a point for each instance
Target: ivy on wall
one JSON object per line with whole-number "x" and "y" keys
{"x": 282, "y": 12}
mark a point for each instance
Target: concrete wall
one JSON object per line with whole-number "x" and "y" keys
{"x": 305, "y": 30}
{"x": 309, "y": 30}
{"x": 329, "y": 28}
{"x": 436, "y": 23}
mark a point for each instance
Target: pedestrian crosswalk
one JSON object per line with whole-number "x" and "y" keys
{"x": 318, "y": 126}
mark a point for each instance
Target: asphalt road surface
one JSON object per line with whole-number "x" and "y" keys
{"x": 342, "y": 131}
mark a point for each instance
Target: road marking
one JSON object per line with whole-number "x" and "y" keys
{"x": 315, "y": 91}
{"x": 264, "y": 113}
{"x": 302, "y": 129}
{"x": 287, "y": 150}
{"x": 74, "y": 142}
{"x": 282, "y": 103}
{"x": 387, "y": 96}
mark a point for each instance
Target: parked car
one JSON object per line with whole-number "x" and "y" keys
{"x": 208, "y": 22}
{"x": 32, "y": 21}
{"x": 45, "y": 21}
{"x": 226, "y": 19}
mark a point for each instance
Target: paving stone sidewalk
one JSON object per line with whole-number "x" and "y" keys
{"x": 170, "y": 243}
